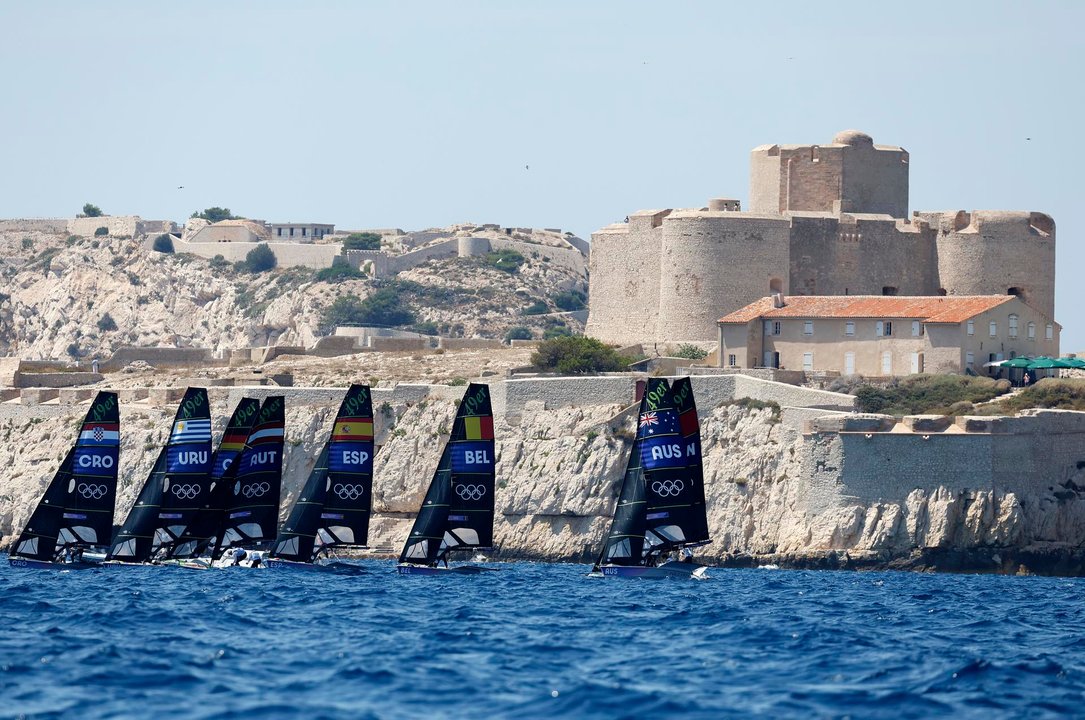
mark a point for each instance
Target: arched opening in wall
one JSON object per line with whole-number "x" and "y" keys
{"x": 890, "y": 290}
{"x": 942, "y": 291}
{"x": 776, "y": 285}
{"x": 1018, "y": 292}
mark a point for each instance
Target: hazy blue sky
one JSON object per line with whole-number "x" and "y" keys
{"x": 415, "y": 114}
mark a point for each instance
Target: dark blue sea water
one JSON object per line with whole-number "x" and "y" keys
{"x": 537, "y": 640}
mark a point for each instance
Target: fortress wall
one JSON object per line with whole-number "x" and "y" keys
{"x": 996, "y": 251}
{"x": 411, "y": 259}
{"x": 569, "y": 258}
{"x": 713, "y": 264}
{"x": 765, "y": 179}
{"x": 44, "y": 225}
{"x": 875, "y": 180}
{"x": 116, "y": 224}
{"x": 811, "y": 178}
{"x": 623, "y": 296}
{"x": 286, "y": 254}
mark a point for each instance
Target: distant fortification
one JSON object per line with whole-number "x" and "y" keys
{"x": 823, "y": 220}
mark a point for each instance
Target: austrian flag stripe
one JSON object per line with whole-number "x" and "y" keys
{"x": 479, "y": 428}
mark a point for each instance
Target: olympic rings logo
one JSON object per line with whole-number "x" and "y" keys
{"x": 185, "y": 492}
{"x": 471, "y": 492}
{"x": 255, "y": 489}
{"x": 92, "y": 492}
{"x": 668, "y": 488}
{"x": 348, "y": 492}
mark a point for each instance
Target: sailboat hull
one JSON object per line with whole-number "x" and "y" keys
{"x": 407, "y": 569}
{"x": 19, "y": 562}
{"x": 333, "y": 566}
{"x": 671, "y": 569}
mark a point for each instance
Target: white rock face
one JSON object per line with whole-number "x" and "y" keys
{"x": 770, "y": 492}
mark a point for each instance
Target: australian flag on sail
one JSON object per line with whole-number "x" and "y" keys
{"x": 472, "y": 457}
{"x": 660, "y": 445}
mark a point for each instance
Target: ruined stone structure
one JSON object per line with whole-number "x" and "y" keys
{"x": 823, "y": 220}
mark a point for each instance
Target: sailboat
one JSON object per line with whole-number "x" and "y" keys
{"x": 171, "y": 497}
{"x": 198, "y": 537}
{"x": 76, "y": 512}
{"x": 661, "y": 508}
{"x": 458, "y": 511}
{"x": 333, "y": 508}
{"x": 251, "y": 515}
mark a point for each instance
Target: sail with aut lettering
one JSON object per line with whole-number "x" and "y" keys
{"x": 173, "y": 495}
{"x": 334, "y": 505}
{"x": 76, "y": 511}
{"x": 458, "y": 510}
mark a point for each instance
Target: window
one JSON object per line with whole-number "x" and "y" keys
{"x": 1031, "y": 331}
{"x": 879, "y": 328}
{"x": 969, "y": 360}
{"x": 889, "y": 290}
{"x": 916, "y": 363}
{"x": 1050, "y": 331}
{"x": 808, "y": 327}
{"x": 280, "y": 231}
{"x": 732, "y": 360}
{"x": 888, "y": 328}
{"x": 808, "y": 361}
{"x": 291, "y": 232}
{"x": 776, "y": 328}
{"x": 1012, "y": 326}
{"x": 994, "y": 328}
{"x": 917, "y": 328}
{"x": 971, "y": 327}
{"x": 887, "y": 363}
{"x": 304, "y": 232}
{"x": 849, "y": 363}
{"x": 849, "y": 328}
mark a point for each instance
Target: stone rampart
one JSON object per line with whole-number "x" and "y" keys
{"x": 158, "y": 356}
{"x": 55, "y": 380}
{"x": 116, "y": 225}
{"x": 286, "y": 254}
{"x": 53, "y": 226}
{"x": 467, "y": 343}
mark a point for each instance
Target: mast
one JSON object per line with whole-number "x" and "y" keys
{"x": 458, "y": 511}
{"x": 624, "y": 544}
{"x": 168, "y": 501}
{"x": 334, "y": 506}
{"x": 673, "y": 480}
{"x": 196, "y": 538}
{"x": 252, "y": 511}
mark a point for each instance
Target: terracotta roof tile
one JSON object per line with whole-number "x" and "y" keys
{"x": 933, "y": 309}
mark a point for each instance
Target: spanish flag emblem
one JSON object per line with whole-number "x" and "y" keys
{"x": 353, "y": 430}
{"x": 479, "y": 428}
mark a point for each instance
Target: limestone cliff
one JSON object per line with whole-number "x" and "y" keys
{"x": 773, "y": 494}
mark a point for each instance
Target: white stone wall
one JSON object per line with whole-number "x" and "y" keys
{"x": 623, "y": 297}
{"x": 286, "y": 254}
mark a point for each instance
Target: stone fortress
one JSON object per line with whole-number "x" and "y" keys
{"x": 823, "y": 220}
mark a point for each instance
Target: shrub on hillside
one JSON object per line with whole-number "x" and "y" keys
{"x": 1052, "y": 393}
{"x": 362, "y": 241}
{"x": 536, "y": 308}
{"x": 506, "y": 260}
{"x": 927, "y": 394}
{"x": 426, "y": 328}
{"x": 217, "y": 263}
{"x": 101, "y": 232}
{"x": 570, "y": 300}
{"x": 690, "y": 352}
{"x": 91, "y": 211}
{"x": 384, "y": 307}
{"x": 577, "y": 355}
{"x": 106, "y": 323}
{"x": 338, "y": 273}
{"x": 260, "y": 259}
{"x": 164, "y": 244}
{"x": 518, "y": 333}
{"x": 556, "y": 331}
{"x": 215, "y": 214}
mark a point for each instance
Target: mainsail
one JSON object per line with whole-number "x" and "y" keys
{"x": 252, "y": 511}
{"x": 199, "y": 534}
{"x": 333, "y": 507}
{"x": 174, "y": 492}
{"x": 458, "y": 511}
{"x": 76, "y": 510}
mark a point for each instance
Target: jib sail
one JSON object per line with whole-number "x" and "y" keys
{"x": 252, "y": 509}
{"x": 196, "y": 539}
{"x": 333, "y": 507}
{"x": 174, "y": 492}
{"x": 38, "y": 540}
{"x": 458, "y": 511}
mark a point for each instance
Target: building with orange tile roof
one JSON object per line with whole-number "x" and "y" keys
{"x": 884, "y": 336}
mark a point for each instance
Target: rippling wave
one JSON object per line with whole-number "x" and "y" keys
{"x": 536, "y": 640}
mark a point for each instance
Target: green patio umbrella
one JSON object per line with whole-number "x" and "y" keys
{"x": 1018, "y": 362}
{"x": 1046, "y": 363}
{"x": 1073, "y": 362}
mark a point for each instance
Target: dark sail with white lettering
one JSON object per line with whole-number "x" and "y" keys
{"x": 173, "y": 494}
{"x": 198, "y": 536}
{"x": 458, "y": 511}
{"x": 251, "y": 516}
{"x": 76, "y": 511}
{"x": 673, "y": 479}
{"x": 333, "y": 507}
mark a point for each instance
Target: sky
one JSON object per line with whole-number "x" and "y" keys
{"x": 565, "y": 114}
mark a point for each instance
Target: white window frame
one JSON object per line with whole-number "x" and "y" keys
{"x": 777, "y": 328}
{"x": 879, "y": 328}
{"x": 808, "y": 362}
{"x": 849, "y": 359}
{"x": 849, "y": 328}
{"x": 1031, "y": 328}
{"x": 970, "y": 360}
{"x": 1050, "y": 334}
{"x": 807, "y": 327}
{"x": 993, "y": 327}
{"x": 888, "y": 328}
{"x": 917, "y": 328}
{"x": 971, "y": 327}
{"x": 1011, "y": 326}
{"x": 887, "y": 363}
{"x": 732, "y": 361}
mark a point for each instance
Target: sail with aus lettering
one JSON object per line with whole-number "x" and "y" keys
{"x": 458, "y": 511}
{"x": 661, "y": 507}
{"x": 251, "y": 515}
{"x": 173, "y": 494}
{"x": 76, "y": 511}
{"x": 334, "y": 505}
{"x": 198, "y": 537}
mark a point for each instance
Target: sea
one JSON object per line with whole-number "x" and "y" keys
{"x": 537, "y": 640}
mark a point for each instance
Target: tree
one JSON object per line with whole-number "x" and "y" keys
{"x": 338, "y": 273}
{"x": 536, "y": 308}
{"x": 384, "y": 307}
{"x": 164, "y": 244}
{"x": 92, "y": 210}
{"x": 507, "y": 260}
{"x": 577, "y": 355}
{"x": 518, "y": 333}
{"x": 690, "y": 352}
{"x": 362, "y": 241}
{"x": 260, "y": 259}
{"x": 101, "y": 232}
{"x": 216, "y": 214}
{"x": 570, "y": 300}
{"x": 107, "y": 323}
